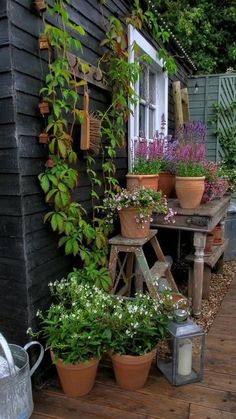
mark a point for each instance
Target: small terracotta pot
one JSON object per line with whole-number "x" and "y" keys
{"x": 131, "y": 372}
{"x": 49, "y": 163}
{"x": 166, "y": 183}
{"x": 44, "y": 108}
{"x": 130, "y": 229}
{"x": 44, "y": 42}
{"x": 40, "y": 5}
{"x": 217, "y": 236}
{"x": 189, "y": 191}
{"x": 209, "y": 244}
{"x": 43, "y": 138}
{"x": 77, "y": 380}
{"x": 141, "y": 181}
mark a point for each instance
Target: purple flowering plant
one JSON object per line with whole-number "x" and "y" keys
{"x": 188, "y": 150}
{"x": 145, "y": 200}
{"x": 149, "y": 154}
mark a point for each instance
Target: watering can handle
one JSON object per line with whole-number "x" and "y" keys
{"x": 8, "y": 355}
{"x": 37, "y": 363}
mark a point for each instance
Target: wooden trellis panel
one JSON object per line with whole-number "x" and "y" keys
{"x": 227, "y": 95}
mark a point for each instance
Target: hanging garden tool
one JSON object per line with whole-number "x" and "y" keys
{"x": 90, "y": 138}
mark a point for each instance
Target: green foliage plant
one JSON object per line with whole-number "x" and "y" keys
{"x": 78, "y": 235}
{"x": 227, "y": 135}
{"x": 205, "y": 29}
{"x": 148, "y": 19}
{"x": 146, "y": 167}
{"x": 137, "y": 325}
{"x": 190, "y": 169}
{"x": 74, "y": 325}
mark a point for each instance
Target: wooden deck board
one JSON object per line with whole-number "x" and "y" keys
{"x": 215, "y": 398}
{"x": 199, "y": 412}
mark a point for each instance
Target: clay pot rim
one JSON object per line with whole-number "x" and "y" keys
{"x": 190, "y": 177}
{"x": 135, "y": 176}
{"x": 133, "y": 357}
{"x": 79, "y": 365}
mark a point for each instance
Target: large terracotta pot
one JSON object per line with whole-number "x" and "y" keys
{"x": 131, "y": 372}
{"x": 189, "y": 191}
{"x": 77, "y": 380}
{"x": 130, "y": 229}
{"x": 141, "y": 181}
{"x": 166, "y": 183}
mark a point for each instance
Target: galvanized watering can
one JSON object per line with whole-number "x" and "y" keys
{"x": 16, "y": 400}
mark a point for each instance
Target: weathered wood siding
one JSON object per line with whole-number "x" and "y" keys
{"x": 29, "y": 256}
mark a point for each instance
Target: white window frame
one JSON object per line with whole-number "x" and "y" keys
{"x": 135, "y": 37}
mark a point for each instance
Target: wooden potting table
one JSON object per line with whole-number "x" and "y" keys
{"x": 200, "y": 221}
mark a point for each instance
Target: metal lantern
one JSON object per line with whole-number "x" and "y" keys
{"x": 182, "y": 360}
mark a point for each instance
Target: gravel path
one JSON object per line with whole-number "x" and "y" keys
{"x": 219, "y": 286}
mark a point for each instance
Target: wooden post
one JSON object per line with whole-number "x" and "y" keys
{"x": 177, "y": 104}
{"x": 185, "y": 105}
{"x": 199, "y": 242}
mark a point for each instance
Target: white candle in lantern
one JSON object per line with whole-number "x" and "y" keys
{"x": 185, "y": 357}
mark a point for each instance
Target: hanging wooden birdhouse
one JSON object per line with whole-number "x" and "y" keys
{"x": 43, "y": 138}
{"x": 40, "y": 6}
{"x": 44, "y": 107}
{"x": 44, "y": 42}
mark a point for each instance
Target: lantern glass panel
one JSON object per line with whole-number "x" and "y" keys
{"x": 182, "y": 360}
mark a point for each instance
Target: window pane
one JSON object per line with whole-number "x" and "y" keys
{"x": 143, "y": 84}
{"x": 142, "y": 120}
{"x": 151, "y": 123}
{"x": 152, "y": 88}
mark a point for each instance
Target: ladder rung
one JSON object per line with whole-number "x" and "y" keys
{"x": 158, "y": 270}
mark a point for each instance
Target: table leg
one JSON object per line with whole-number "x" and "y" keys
{"x": 199, "y": 242}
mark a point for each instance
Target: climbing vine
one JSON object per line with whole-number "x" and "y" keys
{"x": 78, "y": 234}
{"x": 227, "y": 139}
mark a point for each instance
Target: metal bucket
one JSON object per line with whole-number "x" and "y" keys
{"x": 16, "y": 400}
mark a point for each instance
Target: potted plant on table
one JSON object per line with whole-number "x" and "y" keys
{"x": 73, "y": 328}
{"x": 145, "y": 168}
{"x": 135, "y": 210}
{"x": 189, "y": 152}
{"x": 189, "y": 183}
{"x": 216, "y": 184}
{"x": 136, "y": 327}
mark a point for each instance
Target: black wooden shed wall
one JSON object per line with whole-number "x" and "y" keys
{"x": 29, "y": 257}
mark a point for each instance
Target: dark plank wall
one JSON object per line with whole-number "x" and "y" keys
{"x": 34, "y": 259}
{"x": 13, "y": 295}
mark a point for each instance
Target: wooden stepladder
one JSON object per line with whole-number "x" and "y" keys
{"x": 123, "y": 270}
{"x": 181, "y": 104}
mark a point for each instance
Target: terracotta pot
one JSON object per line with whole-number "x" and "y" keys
{"x": 209, "y": 244}
{"x": 49, "y": 163}
{"x": 178, "y": 301}
{"x": 131, "y": 372}
{"x": 217, "y": 236}
{"x": 130, "y": 229}
{"x": 43, "y": 42}
{"x": 141, "y": 181}
{"x": 40, "y": 5}
{"x": 44, "y": 108}
{"x": 166, "y": 183}
{"x": 189, "y": 191}
{"x": 43, "y": 138}
{"x": 77, "y": 380}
